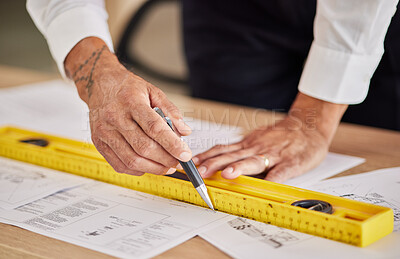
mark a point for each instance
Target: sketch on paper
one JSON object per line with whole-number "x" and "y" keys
{"x": 273, "y": 236}
{"x": 22, "y": 183}
{"x": 17, "y": 178}
{"x": 114, "y": 223}
{"x": 377, "y": 199}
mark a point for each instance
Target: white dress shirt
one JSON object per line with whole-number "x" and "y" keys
{"x": 347, "y": 46}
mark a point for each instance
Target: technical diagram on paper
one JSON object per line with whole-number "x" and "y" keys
{"x": 114, "y": 220}
{"x": 21, "y": 183}
{"x": 244, "y": 238}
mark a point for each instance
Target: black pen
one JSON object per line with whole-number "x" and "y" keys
{"x": 190, "y": 169}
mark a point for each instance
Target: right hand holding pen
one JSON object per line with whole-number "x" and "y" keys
{"x": 125, "y": 129}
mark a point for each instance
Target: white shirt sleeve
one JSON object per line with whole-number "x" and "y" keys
{"x": 347, "y": 48}
{"x": 65, "y": 23}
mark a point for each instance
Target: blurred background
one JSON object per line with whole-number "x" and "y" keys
{"x": 146, "y": 36}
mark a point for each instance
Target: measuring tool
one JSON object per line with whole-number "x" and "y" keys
{"x": 315, "y": 213}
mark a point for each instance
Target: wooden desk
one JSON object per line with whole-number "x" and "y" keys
{"x": 381, "y": 148}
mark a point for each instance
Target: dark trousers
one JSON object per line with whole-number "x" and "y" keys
{"x": 252, "y": 52}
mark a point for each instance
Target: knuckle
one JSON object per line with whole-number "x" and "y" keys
{"x": 158, "y": 93}
{"x": 233, "y": 156}
{"x": 132, "y": 163}
{"x": 155, "y": 128}
{"x": 143, "y": 148}
{"x": 125, "y": 94}
{"x": 170, "y": 163}
{"x": 110, "y": 116}
{"x": 293, "y": 162}
{"x": 219, "y": 147}
{"x": 171, "y": 107}
{"x": 101, "y": 130}
{"x": 257, "y": 148}
{"x": 255, "y": 159}
{"x": 210, "y": 163}
{"x": 174, "y": 109}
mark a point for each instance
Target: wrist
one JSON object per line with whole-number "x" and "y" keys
{"x": 314, "y": 114}
{"x": 86, "y": 62}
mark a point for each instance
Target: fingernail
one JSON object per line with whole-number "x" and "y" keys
{"x": 171, "y": 171}
{"x": 228, "y": 170}
{"x": 185, "y": 156}
{"x": 202, "y": 169}
{"x": 195, "y": 160}
{"x": 184, "y": 124}
{"x": 184, "y": 128}
{"x": 179, "y": 167}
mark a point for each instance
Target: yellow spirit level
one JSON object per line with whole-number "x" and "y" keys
{"x": 347, "y": 221}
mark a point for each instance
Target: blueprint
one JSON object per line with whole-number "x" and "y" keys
{"x": 243, "y": 238}
{"x": 21, "y": 183}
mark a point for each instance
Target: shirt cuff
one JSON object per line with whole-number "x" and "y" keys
{"x": 73, "y": 25}
{"x": 336, "y": 76}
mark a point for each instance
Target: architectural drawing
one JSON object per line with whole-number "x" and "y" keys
{"x": 271, "y": 235}
{"x": 377, "y": 199}
{"x": 21, "y": 183}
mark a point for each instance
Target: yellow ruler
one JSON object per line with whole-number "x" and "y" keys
{"x": 351, "y": 222}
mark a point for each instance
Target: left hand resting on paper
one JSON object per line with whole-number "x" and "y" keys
{"x": 293, "y": 146}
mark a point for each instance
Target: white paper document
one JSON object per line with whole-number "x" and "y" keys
{"x": 243, "y": 238}
{"x": 330, "y": 166}
{"x": 114, "y": 220}
{"x": 54, "y": 107}
{"x": 22, "y": 183}
{"x": 206, "y": 134}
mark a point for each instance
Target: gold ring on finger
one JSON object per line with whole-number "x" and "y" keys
{"x": 266, "y": 161}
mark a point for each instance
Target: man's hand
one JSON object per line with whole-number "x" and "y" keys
{"x": 125, "y": 129}
{"x": 293, "y": 146}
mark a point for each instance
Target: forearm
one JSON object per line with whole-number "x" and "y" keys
{"x": 315, "y": 114}
{"x": 87, "y": 62}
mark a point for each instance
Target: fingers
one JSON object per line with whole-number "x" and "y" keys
{"x": 129, "y": 157}
{"x": 215, "y": 151}
{"x": 214, "y": 164}
{"x": 146, "y": 147}
{"x": 159, "y": 99}
{"x": 114, "y": 160}
{"x": 249, "y": 166}
{"x": 156, "y": 128}
{"x": 284, "y": 171}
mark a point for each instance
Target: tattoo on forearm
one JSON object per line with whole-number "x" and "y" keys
{"x": 88, "y": 78}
